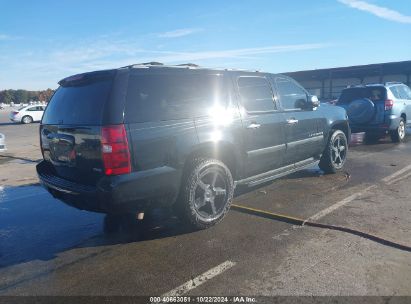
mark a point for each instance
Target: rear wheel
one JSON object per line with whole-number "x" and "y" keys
{"x": 398, "y": 135}
{"x": 335, "y": 154}
{"x": 27, "y": 119}
{"x": 206, "y": 193}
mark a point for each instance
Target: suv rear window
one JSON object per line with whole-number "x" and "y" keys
{"x": 78, "y": 104}
{"x": 155, "y": 97}
{"x": 373, "y": 93}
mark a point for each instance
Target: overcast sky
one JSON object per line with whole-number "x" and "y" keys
{"x": 44, "y": 41}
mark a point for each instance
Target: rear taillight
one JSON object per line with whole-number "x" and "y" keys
{"x": 389, "y": 104}
{"x": 115, "y": 150}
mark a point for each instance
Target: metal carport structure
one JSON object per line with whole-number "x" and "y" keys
{"x": 328, "y": 83}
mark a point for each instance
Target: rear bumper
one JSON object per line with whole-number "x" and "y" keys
{"x": 15, "y": 119}
{"x": 391, "y": 124}
{"x": 115, "y": 194}
{"x": 370, "y": 129}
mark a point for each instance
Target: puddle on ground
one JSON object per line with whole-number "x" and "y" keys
{"x": 4, "y": 160}
{"x": 34, "y": 225}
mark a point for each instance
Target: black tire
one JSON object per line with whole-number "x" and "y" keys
{"x": 206, "y": 193}
{"x": 27, "y": 119}
{"x": 335, "y": 153}
{"x": 398, "y": 135}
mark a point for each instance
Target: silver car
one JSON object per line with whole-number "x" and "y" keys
{"x": 378, "y": 109}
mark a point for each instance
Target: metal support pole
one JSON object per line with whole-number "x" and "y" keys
{"x": 330, "y": 95}
{"x": 323, "y": 88}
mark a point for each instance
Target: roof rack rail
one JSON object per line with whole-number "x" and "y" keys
{"x": 188, "y": 65}
{"x": 374, "y": 84}
{"x": 191, "y": 65}
{"x": 151, "y": 63}
{"x": 393, "y": 82}
{"x": 355, "y": 86}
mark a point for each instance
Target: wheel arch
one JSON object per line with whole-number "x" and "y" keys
{"x": 222, "y": 151}
{"x": 403, "y": 115}
{"x": 340, "y": 125}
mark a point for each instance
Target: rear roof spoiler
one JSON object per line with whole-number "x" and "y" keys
{"x": 86, "y": 77}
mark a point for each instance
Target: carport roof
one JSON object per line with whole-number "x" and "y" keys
{"x": 359, "y": 71}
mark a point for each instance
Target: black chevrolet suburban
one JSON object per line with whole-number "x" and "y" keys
{"x": 125, "y": 140}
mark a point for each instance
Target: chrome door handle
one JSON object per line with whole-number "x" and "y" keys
{"x": 292, "y": 121}
{"x": 253, "y": 126}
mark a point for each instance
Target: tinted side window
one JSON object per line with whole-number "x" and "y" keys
{"x": 395, "y": 92}
{"x": 404, "y": 91}
{"x": 155, "y": 97}
{"x": 408, "y": 92}
{"x": 255, "y": 93}
{"x": 291, "y": 95}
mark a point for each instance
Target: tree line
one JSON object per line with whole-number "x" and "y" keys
{"x": 24, "y": 96}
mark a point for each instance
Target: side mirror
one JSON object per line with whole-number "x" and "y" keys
{"x": 313, "y": 101}
{"x": 300, "y": 103}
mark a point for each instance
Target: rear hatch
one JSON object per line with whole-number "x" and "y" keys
{"x": 364, "y": 105}
{"x": 72, "y": 125}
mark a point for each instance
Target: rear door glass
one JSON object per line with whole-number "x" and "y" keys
{"x": 408, "y": 92}
{"x": 79, "y": 104}
{"x": 395, "y": 92}
{"x": 404, "y": 92}
{"x": 170, "y": 96}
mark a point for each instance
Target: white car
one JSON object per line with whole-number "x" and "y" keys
{"x": 28, "y": 114}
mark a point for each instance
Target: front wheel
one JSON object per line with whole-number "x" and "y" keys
{"x": 398, "y": 135}
{"x": 335, "y": 154}
{"x": 206, "y": 194}
{"x": 27, "y": 119}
